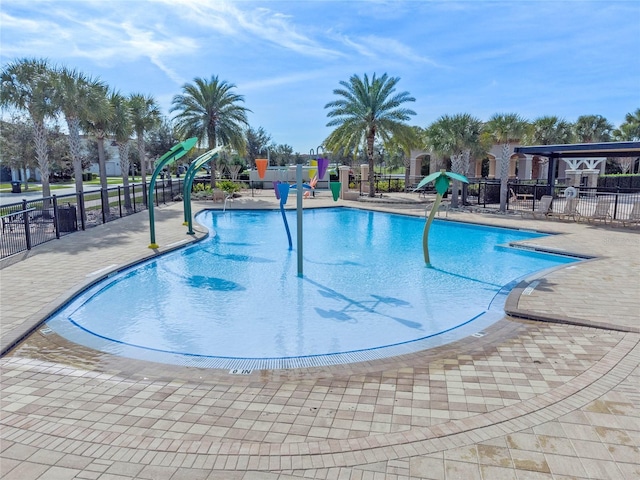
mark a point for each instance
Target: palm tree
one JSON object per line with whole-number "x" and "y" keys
{"x": 592, "y": 128}
{"x": 145, "y": 115}
{"x": 456, "y": 136}
{"x": 97, "y": 122}
{"x": 548, "y": 130}
{"x": 628, "y": 131}
{"x": 366, "y": 111}
{"x": 505, "y": 129}
{"x": 27, "y": 86}
{"x": 210, "y": 110}
{"x": 122, "y": 129}
{"x": 74, "y": 96}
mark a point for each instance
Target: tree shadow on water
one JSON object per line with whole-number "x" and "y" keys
{"x": 370, "y": 306}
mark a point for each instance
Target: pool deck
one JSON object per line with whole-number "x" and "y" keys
{"x": 552, "y": 391}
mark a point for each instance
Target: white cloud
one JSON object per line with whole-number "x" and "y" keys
{"x": 265, "y": 83}
{"x": 381, "y": 47}
{"x": 250, "y": 24}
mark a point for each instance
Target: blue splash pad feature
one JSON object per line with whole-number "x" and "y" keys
{"x": 234, "y": 300}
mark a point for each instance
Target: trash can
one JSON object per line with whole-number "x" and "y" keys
{"x": 67, "y": 221}
{"x": 15, "y": 187}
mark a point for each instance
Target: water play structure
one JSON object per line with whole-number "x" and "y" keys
{"x": 189, "y": 177}
{"x": 441, "y": 181}
{"x": 282, "y": 189}
{"x": 176, "y": 152}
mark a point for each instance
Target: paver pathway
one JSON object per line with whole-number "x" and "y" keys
{"x": 528, "y": 400}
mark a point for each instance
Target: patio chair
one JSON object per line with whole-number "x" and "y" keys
{"x": 634, "y": 216}
{"x": 515, "y": 197}
{"x": 443, "y": 207}
{"x": 602, "y": 210}
{"x": 570, "y": 210}
{"x": 543, "y": 208}
{"x": 12, "y": 219}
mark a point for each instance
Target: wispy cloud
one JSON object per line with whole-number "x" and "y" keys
{"x": 389, "y": 48}
{"x": 102, "y": 39}
{"x": 290, "y": 79}
{"x": 251, "y": 24}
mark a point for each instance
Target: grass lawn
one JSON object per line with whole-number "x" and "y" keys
{"x": 5, "y": 187}
{"x": 113, "y": 180}
{"x": 33, "y": 187}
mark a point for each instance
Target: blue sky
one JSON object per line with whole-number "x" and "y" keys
{"x": 533, "y": 58}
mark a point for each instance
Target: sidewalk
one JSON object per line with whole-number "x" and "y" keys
{"x": 528, "y": 400}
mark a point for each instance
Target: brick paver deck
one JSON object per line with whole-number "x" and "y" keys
{"x": 552, "y": 393}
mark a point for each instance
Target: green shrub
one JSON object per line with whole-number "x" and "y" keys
{"x": 228, "y": 186}
{"x": 201, "y": 187}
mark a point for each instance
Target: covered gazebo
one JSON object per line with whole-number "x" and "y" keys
{"x": 580, "y": 151}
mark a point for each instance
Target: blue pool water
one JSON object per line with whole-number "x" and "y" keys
{"x": 235, "y": 300}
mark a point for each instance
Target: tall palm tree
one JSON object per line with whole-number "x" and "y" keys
{"x": 505, "y": 129}
{"x": 97, "y": 122}
{"x": 122, "y": 129}
{"x": 26, "y": 85}
{"x": 367, "y": 110}
{"x": 548, "y": 130}
{"x": 208, "y": 109}
{"x": 456, "y": 136}
{"x": 592, "y": 128}
{"x": 629, "y": 130}
{"x": 145, "y": 115}
{"x": 75, "y": 96}
{"x": 402, "y": 150}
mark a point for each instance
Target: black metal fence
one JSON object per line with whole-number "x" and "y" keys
{"x": 31, "y": 222}
{"x": 521, "y": 196}
{"x": 28, "y": 223}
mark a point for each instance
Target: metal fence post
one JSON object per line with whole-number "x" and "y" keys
{"x": 56, "y": 217}
{"x": 144, "y": 193}
{"x": 133, "y": 194}
{"x": 27, "y": 230}
{"x": 104, "y": 215}
{"x": 81, "y": 208}
{"x": 119, "y": 201}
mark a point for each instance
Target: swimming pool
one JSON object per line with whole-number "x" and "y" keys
{"x": 235, "y": 300}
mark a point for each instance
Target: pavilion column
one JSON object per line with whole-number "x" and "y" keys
{"x": 592, "y": 175}
{"x": 344, "y": 179}
{"x": 573, "y": 177}
{"x": 364, "y": 177}
{"x": 512, "y": 167}
{"x": 525, "y": 169}
{"x": 415, "y": 166}
{"x": 492, "y": 167}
